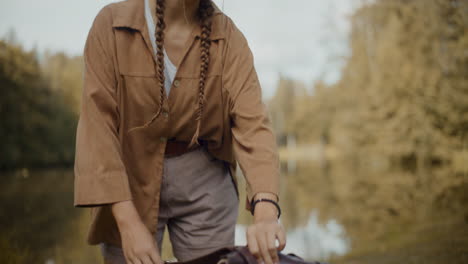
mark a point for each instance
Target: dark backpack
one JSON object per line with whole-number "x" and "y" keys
{"x": 239, "y": 255}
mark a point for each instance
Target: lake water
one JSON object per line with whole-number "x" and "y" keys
{"x": 339, "y": 212}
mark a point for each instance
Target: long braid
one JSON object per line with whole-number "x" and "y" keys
{"x": 159, "y": 34}
{"x": 160, "y": 26}
{"x": 205, "y": 12}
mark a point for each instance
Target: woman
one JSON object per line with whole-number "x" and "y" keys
{"x": 171, "y": 101}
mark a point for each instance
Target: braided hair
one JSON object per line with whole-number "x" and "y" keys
{"x": 204, "y": 14}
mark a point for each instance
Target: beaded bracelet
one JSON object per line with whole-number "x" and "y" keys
{"x": 253, "y": 203}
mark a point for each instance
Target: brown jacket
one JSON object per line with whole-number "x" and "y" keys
{"x": 121, "y": 92}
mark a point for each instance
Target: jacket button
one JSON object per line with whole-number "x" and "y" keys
{"x": 176, "y": 83}
{"x": 163, "y": 139}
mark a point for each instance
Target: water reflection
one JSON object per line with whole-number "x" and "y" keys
{"x": 38, "y": 223}
{"x": 328, "y": 209}
{"x": 312, "y": 241}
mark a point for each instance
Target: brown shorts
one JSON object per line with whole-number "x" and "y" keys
{"x": 198, "y": 203}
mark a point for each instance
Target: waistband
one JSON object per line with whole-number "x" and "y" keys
{"x": 176, "y": 148}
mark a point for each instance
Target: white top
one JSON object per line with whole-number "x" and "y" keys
{"x": 170, "y": 69}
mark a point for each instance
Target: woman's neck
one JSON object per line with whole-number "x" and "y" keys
{"x": 177, "y": 11}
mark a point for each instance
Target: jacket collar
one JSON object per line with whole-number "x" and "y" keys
{"x": 130, "y": 14}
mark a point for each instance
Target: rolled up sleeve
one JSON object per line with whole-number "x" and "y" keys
{"x": 100, "y": 174}
{"x": 254, "y": 142}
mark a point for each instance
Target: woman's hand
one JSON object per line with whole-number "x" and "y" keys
{"x": 262, "y": 234}
{"x": 138, "y": 244}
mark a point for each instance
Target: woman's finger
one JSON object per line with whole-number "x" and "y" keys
{"x": 271, "y": 239}
{"x": 129, "y": 259}
{"x": 146, "y": 260}
{"x": 155, "y": 258}
{"x": 126, "y": 256}
{"x": 133, "y": 260}
{"x": 281, "y": 235}
{"x": 262, "y": 244}
{"x": 136, "y": 260}
{"x": 253, "y": 244}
